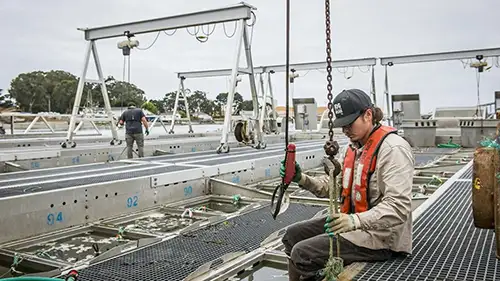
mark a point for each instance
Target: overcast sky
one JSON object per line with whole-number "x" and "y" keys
{"x": 42, "y": 35}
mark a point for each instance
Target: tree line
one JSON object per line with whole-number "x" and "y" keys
{"x": 55, "y": 90}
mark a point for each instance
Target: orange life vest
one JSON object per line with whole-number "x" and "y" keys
{"x": 366, "y": 168}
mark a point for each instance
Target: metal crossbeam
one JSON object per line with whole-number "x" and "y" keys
{"x": 444, "y": 56}
{"x": 281, "y": 68}
{"x": 226, "y": 14}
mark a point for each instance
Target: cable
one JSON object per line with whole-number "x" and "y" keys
{"x": 234, "y": 32}
{"x": 369, "y": 68}
{"x": 196, "y": 28}
{"x": 254, "y": 19}
{"x": 154, "y": 41}
{"x": 208, "y": 27}
{"x": 175, "y": 30}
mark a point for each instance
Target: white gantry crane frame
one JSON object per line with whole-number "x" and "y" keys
{"x": 240, "y": 13}
{"x": 478, "y": 54}
{"x": 269, "y": 69}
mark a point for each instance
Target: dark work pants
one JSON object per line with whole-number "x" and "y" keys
{"x": 308, "y": 247}
{"x": 139, "y": 139}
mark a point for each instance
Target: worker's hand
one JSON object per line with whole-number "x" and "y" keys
{"x": 118, "y": 125}
{"x": 147, "y": 132}
{"x": 331, "y": 148}
{"x": 341, "y": 223}
{"x": 298, "y": 171}
{"x": 331, "y": 163}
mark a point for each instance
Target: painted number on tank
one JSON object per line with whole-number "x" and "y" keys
{"x": 236, "y": 179}
{"x": 53, "y": 218}
{"x": 75, "y": 160}
{"x": 188, "y": 190}
{"x": 132, "y": 201}
{"x": 35, "y": 165}
{"x": 193, "y": 149}
{"x": 268, "y": 172}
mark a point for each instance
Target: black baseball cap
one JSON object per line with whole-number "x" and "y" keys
{"x": 348, "y": 105}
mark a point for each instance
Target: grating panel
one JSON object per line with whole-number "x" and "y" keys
{"x": 446, "y": 245}
{"x": 223, "y": 159}
{"x": 424, "y": 159}
{"x": 69, "y": 174}
{"x": 176, "y": 258}
{"x": 212, "y": 154}
{"x": 34, "y": 188}
{"x": 434, "y": 150}
{"x": 62, "y": 170}
{"x": 467, "y": 174}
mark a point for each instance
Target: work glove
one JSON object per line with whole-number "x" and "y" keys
{"x": 331, "y": 148}
{"x": 147, "y": 132}
{"x": 331, "y": 163}
{"x": 298, "y": 171}
{"x": 341, "y": 223}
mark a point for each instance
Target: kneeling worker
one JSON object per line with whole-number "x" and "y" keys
{"x": 375, "y": 221}
{"x": 134, "y": 118}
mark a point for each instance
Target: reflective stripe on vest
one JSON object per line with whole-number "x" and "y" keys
{"x": 366, "y": 167}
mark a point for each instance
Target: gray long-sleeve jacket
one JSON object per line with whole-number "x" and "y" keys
{"x": 388, "y": 224}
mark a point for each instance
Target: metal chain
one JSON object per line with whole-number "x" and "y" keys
{"x": 329, "y": 69}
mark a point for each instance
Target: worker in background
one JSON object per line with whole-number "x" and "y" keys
{"x": 375, "y": 182}
{"x": 134, "y": 118}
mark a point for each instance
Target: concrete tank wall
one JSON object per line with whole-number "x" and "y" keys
{"x": 420, "y": 132}
{"x": 474, "y": 130}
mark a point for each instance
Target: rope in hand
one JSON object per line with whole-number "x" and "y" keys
{"x": 335, "y": 264}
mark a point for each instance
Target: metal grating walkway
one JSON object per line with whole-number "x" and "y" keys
{"x": 446, "y": 245}
{"x": 88, "y": 179}
{"x": 227, "y": 158}
{"x": 467, "y": 174}
{"x": 60, "y": 170}
{"x": 176, "y": 258}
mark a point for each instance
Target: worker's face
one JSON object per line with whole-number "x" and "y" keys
{"x": 360, "y": 128}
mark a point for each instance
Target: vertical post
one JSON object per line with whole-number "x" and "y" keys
{"x": 386, "y": 92}
{"x": 104, "y": 91}
{"x": 484, "y": 186}
{"x": 186, "y": 104}
{"x": 176, "y": 103}
{"x": 271, "y": 94}
{"x": 78, "y": 98}
{"x": 372, "y": 89}
{"x": 230, "y": 97}
{"x": 263, "y": 103}
{"x": 253, "y": 87}
{"x": 11, "y": 124}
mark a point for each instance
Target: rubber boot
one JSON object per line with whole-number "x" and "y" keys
{"x": 293, "y": 275}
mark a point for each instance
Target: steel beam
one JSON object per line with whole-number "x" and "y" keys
{"x": 226, "y": 14}
{"x": 280, "y": 68}
{"x": 444, "y": 56}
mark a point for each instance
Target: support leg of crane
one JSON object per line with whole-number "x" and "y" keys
{"x": 68, "y": 144}
{"x": 223, "y": 148}
{"x": 171, "y": 132}
{"x": 261, "y": 145}
{"x": 115, "y": 142}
